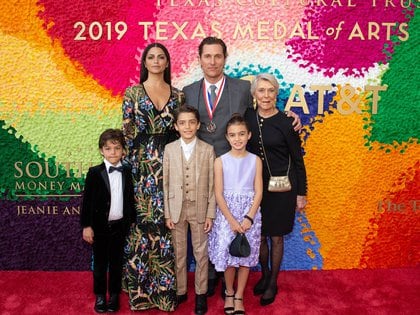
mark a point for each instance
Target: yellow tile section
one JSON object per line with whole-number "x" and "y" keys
{"x": 25, "y": 52}
{"x": 346, "y": 180}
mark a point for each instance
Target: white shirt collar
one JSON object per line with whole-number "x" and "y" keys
{"x": 116, "y": 190}
{"x": 217, "y": 84}
{"x": 188, "y": 148}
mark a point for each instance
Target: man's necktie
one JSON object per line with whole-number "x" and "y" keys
{"x": 113, "y": 168}
{"x": 212, "y": 96}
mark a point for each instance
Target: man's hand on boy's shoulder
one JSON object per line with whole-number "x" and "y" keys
{"x": 297, "y": 124}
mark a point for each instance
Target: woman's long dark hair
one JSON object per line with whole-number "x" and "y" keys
{"x": 144, "y": 73}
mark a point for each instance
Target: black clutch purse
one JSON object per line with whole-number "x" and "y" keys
{"x": 240, "y": 246}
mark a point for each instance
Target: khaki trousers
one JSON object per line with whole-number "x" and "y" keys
{"x": 199, "y": 241}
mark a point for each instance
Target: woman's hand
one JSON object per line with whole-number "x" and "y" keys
{"x": 300, "y": 203}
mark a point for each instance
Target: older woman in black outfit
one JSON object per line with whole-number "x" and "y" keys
{"x": 278, "y": 145}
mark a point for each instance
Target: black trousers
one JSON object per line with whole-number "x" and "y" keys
{"x": 108, "y": 252}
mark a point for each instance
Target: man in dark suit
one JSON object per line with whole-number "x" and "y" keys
{"x": 217, "y": 97}
{"x": 231, "y": 95}
{"x": 106, "y": 214}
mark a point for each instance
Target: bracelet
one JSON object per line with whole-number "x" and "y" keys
{"x": 249, "y": 218}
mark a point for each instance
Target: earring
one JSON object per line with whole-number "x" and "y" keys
{"x": 254, "y": 103}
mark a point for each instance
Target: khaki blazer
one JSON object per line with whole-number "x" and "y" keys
{"x": 173, "y": 181}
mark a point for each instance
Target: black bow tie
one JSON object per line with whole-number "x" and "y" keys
{"x": 113, "y": 168}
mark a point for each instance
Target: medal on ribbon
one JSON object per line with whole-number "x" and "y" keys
{"x": 211, "y": 105}
{"x": 211, "y": 126}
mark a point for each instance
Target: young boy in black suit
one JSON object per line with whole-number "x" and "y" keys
{"x": 106, "y": 214}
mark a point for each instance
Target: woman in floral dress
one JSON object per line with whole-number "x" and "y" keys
{"x": 149, "y": 276}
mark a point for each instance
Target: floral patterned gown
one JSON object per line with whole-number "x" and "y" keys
{"x": 149, "y": 275}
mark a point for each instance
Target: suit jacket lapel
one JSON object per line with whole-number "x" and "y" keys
{"x": 124, "y": 174}
{"x": 200, "y": 95}
{"x": 104, "y": 175}
{"x": 178, "y": 153}
{"x": 201, "y": 103}
{"x": 229, "y": 91}
{"x": 198, "y": 159}
{"x": 225, "y": 101}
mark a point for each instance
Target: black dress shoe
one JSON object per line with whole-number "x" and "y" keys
{"x": 114, "y": 303}
{"x": 100, "y": 304}
{"x": 266, "y": 301}
{"x": 261, "y": 285}
{"x": 181, "y": 298}
{"x": 211, "y": 286}
{"x": 200, "y": 304}
{"x": 223, "y": 291}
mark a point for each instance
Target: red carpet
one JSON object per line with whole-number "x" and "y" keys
{"x": 380, "y": 291}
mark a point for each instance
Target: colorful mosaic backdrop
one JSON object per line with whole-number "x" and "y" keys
{"x": 349, "y": 68}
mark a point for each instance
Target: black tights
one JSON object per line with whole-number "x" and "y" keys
{"x": 276, "y": 256}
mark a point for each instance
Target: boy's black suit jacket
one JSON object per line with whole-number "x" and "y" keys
{"x": 97, "y": 199}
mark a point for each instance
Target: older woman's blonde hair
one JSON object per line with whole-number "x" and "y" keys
{"x": 265, "y": 77}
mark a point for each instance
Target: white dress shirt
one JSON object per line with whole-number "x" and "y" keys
{"x": 188, "y": 148}
{"x": 115, "y": 183}
{"x": 218, "y": 85}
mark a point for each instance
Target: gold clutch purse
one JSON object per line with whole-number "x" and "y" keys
{"x": 279, "y": 184}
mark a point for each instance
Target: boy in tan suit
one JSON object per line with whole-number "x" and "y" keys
{"x": 189, "y": 201}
